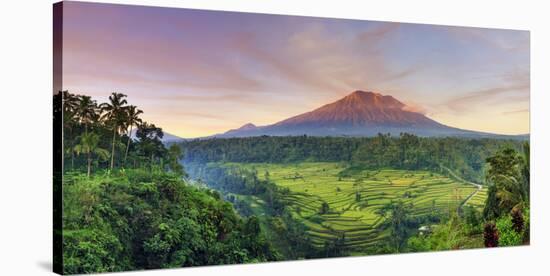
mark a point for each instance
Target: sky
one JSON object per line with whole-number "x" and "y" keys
{"x": 196, "y": 73}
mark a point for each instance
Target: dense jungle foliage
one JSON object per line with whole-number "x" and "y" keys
{"x": 127, "y": 205}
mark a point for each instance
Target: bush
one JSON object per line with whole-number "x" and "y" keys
{"x": 418, "y": 244}
{"x": 517, "y": 220}
{"x": 316, "y": 219}
{"x": 507, "y": 234}
{"x": 490, "y": 235}
{"x": 89, "y": 251}
{"x": 527, "y": 230}
{"x": 324, "y": 208}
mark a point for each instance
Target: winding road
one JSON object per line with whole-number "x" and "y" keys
{"x": 479, "y": 186}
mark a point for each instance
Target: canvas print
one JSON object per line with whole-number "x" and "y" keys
{"x": 191, "y": 138}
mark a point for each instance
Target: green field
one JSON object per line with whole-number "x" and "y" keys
{"x": 478, "y": 200}
{"x": 311, "y": 184}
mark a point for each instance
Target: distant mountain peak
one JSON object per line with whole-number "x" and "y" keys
{"x": 166, "y": 138}
{"x": 247, "y": 126}
{"x": 360, "y": 113}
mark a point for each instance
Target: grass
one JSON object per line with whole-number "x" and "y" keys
{"x": 311, "y": 184}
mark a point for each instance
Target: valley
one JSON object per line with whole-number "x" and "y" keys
{"x": 355, "y": 199}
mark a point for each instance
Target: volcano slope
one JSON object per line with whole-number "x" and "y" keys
{"x": 360, "y": 113}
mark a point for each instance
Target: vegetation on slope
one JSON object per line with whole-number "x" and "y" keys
{"x": 127, "y": 206}
{"x": 139, "y": 220}
{"x": 335, "y": 204}
{"x": 349, "y": 209}
{"x": 465, "y": 156}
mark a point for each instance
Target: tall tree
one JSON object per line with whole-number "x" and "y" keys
{"x": 525, "y": 170}
{"x": 398, "y": 222}
{"x": 492, "y": 209}
{"x": 175, "y": 154}
{"x": 505, "y": 175}
{"x": 70, "y": 106}
{"x": 87, "y": 111}
{"x": 89, "y": 145}
{"x": 132, "y": 118}
{"x": 115, "y": 117}
{"x": 150, "y": 143}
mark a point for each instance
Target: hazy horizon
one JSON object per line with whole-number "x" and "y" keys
{"x": 196, "y": 73}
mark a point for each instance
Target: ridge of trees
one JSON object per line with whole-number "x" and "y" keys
{"x": 465, "y": 156}
{"x": 99, "y": 136}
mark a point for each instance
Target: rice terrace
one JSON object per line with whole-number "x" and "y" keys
{"x": 355, "y": 199}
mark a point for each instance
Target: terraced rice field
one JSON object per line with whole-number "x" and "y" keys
{"x": 478, "y": 200}
{"x": 359, "y": 219}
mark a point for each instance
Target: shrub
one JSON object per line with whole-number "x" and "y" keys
{"x": 507, "y": 234}
{"x": 89, "y": 251}
{"x": 517, "y": 220}
{"x": 527, "y": 230}
{"x": 490, "y": 235}
{"x": 324, "y": 208}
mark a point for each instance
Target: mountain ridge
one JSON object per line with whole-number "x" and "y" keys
{"x": 166, "y": 138}
{"x": 360, "y": 113}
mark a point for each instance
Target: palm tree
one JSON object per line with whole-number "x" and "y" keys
{"x": 70, "y": 105}
{"x": 86, "y": 111}
{"x": 89, "y": 145}
{"x": 114, "y": 115}
{"x": 509, "y": 191}
{"x": 132, "y": 118}
{"x": 505, "y": 175}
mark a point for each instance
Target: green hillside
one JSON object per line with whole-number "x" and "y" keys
{"x": 356, "y": 198}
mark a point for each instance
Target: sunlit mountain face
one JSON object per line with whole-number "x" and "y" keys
{"x": 360, "y": 113}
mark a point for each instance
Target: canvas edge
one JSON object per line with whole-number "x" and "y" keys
{"x": 57, "y": 41}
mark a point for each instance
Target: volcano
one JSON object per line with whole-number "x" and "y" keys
{"x": 358, "y": 114}
{"x": 360, "y": 110}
